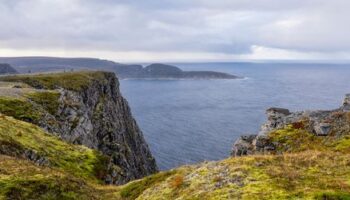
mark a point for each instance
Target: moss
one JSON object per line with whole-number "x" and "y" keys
{"x": 134, "y": 189}
{"x": 35, "y": 182}
{"x": 332, "y": 196}
{"x": 19, "y": 109}
{"x": 291, "y": 139}
{"x": 78, "y": 160}
{"x": 304, "y": 175}
{"x": 48, "y": 100}
{"x": 75, "y": 81}
{"x": 343, "y": 144}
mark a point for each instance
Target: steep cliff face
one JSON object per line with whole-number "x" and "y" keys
{"x": 87, "y": 108}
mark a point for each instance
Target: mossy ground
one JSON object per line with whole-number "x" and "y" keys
{"x": 320, "y": 173}
{"x": 75, "y": 81}
{"x": 306, "y": 175}
{"x": 78, "y": 160}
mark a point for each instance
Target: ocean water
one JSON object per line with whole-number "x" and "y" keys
{"x": 188, "y": 121}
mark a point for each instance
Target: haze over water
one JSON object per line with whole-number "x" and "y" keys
{"x": 188, "y": 121}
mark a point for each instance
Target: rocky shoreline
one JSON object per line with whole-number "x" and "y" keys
{"x": 319, "y": 122}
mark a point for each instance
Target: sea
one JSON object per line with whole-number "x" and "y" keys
{"x": 191, "y": 121}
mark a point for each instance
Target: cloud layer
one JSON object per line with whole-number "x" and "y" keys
{"x": 229, "y": 28}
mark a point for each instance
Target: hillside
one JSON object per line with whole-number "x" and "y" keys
{"x": 310, "y": 174}
{"x": 83, "y": 108}
{"x": 296, "y": 155}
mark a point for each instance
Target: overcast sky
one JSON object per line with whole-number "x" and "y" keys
{"x": 177, "y": 30}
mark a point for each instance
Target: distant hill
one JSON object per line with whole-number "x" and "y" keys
{"x": 7, "y": 69}
{"x": 123, "y": 71}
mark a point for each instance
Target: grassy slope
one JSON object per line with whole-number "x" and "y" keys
{"x": 78, "y": 160}
{"x": 21, "y": 179}
{"x": 313, "y": 168}
{"x": 75, "y": 81}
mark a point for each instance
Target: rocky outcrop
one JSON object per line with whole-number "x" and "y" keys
{"x": 320, "y": 123}
{"x": 94, "y": 113}
{"x": 7, "y": 69}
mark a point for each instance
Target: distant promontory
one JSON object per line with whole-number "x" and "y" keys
{"x": 123, "y": 71}
{"x": 7, "y": 69}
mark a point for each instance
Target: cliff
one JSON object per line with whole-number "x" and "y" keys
{"x": 84, "y": 108}
{"x": 296, "y": 155}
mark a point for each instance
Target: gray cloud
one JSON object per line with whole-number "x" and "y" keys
{"x": 220, "y": 26}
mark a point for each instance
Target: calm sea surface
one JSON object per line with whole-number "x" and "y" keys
{"x": 188, "y": 121}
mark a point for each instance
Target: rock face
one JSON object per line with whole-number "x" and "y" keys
{"x": 7, "y": 69}
{"x": 98, "y": 117}
{"x": 320, "y": 123}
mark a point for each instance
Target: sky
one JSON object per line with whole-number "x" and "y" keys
{"x": 177, "y": 30}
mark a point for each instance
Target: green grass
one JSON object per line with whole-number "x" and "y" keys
{"x": 75, "y": 81}
{"x": 332, "y": 196}
{"x": 132, "y": 190}
{"x": 48, "y": 100}
{"x": 21, "y": 179}
{"x": 290, "y": 139}
{"x": 75, "y": 159}
{"x": 19, "y": 109}
{"x": 320, "y": 173}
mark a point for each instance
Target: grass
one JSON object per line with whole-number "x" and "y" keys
{"x": 78, "y": 160}
{"x": 21, "y": 179}
{"x": 320, "y": 172}
{"x": 290, "y": 139}
{"x": 19, "y": 109}
{"x": 304, "y": 175}
{"x": 48, "y": 100}
{"x": 75, "y": 81}
{"x": 134, "y": 189}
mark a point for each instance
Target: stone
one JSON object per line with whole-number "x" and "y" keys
{"x": 275, "y": 119}
{"x": 243, "y": 145}
{"x": 322, "y": 129}
{"x": 346, "y": 103}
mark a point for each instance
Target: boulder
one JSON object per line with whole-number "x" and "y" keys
{"x": 243, "y": 145}
{"x": 322, "y": 129}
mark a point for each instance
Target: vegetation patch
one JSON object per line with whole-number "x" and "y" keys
{"x": 19, "y": 109}
{"x": 75, "y": 159}
{"x": 75, "y": 81}
{"x": 134, "y": 189}
{"x": 332, "y": 196}
{"x": 290, "y": 139}
{"x": 21, "y": 179}
{"x": 48, "y": 100}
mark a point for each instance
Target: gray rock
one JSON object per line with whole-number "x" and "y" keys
{"x": 346, "y": 103}
{"x": 243, "y": 146}
{"x": 322, "y": 129}
{"x": 262, "y": 144}
{"x": 275, "y": 119}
